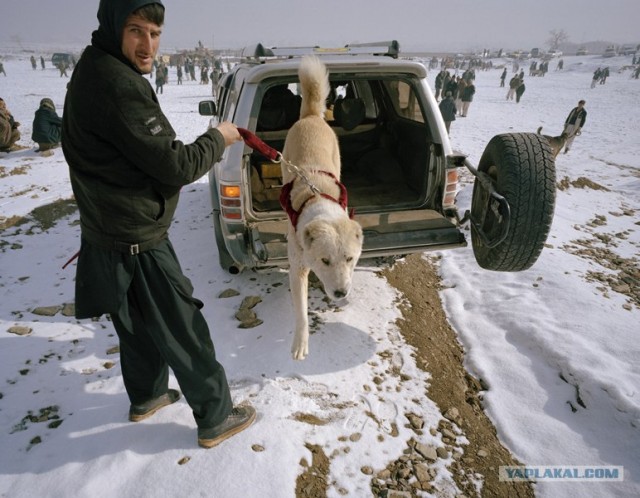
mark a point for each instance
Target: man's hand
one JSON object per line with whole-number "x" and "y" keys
{"x": 229, "y": 132}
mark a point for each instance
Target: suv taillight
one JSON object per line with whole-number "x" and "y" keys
{"x": 451, "y": 189}
{"x": 454, "y": 161}
{"x": 231, "y": 202}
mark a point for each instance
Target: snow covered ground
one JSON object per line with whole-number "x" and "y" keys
{"x": 557, "y": 344}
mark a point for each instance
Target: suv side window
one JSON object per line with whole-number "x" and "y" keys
{"x": 230, "y": 88}
{"x": 405, "y": 100}
{"x": 223, "y": 95}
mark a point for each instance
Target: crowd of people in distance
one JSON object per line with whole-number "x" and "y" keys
{"x": 46, "y": 131}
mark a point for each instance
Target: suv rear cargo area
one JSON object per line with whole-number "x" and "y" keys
{"x": 386, "y": 155}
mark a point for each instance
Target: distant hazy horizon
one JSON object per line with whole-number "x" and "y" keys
{"x": 419, "y": 25}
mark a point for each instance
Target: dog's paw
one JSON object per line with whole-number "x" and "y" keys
{"x": 300, "y": 348}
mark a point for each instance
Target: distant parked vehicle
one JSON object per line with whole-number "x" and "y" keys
{"x": 63, "y": 58}
{"x": 628, "y": 50}
{"x": 554, "y": 53}
{"x": 535, "y": 52}
{"x": 610, "y": 51}
{"x": 582, "y": 51}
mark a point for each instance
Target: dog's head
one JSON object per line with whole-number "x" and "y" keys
{"x": 332, "y": 249}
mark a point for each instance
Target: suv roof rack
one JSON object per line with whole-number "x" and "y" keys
{"x": 388, "y": 48}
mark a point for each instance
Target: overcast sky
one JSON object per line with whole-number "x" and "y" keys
{"x": 417, "y": 24}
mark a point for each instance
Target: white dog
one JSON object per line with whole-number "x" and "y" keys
{"x": 322, "y": 237}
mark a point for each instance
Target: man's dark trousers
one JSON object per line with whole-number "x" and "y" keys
{"x": 165, "y": 328}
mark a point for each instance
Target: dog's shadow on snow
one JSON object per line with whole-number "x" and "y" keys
{"x": 334, "y": 347}
{"x": 264, "y": 350}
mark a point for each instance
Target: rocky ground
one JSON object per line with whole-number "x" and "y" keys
{"x": 457, "y": 394}
{"x": 600, "y": 248}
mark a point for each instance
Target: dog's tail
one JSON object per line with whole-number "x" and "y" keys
{"x": 314, "y": 84}
{"x": 539, "y": 132}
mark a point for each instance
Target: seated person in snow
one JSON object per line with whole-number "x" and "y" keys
{"x": 9, "y": 133}
{"x": 47, "y": 126}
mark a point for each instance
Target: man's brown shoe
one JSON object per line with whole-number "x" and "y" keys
{"x": 238, "y": 420}
{"x": 148, "y": 408}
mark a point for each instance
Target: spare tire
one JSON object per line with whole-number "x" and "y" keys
{"x": 521, "y": 168}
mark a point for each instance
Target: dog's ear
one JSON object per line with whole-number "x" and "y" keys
{"x": 308, "y": 236}
{"x": 357, "y": 230}
{"x": 313, "y": 231}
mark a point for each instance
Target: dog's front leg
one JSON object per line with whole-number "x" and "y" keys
{"x": 298, "y": 283}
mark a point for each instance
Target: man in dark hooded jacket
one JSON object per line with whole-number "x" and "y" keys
{"x": 126, "y": 170}
{"x": 47, "y": 126}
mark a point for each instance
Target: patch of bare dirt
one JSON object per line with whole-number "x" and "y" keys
{"x": 622, "y": 275}
{"x": 457, "y": 393}
{"x": 309, "y": 418}
{"x": 313, "y": 482}
{"x": 581, "y": 182}
{"x": 43, "y": 217}
{"x": 20, "y": 170}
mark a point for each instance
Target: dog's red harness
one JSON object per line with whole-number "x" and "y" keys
{"x": 285, "y": 194}
{"x": 285, "y": 199}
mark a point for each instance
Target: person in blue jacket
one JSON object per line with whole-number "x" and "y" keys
{"x": 47, "y": 126}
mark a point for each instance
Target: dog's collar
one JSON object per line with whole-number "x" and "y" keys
{"x": 294, "y": 215}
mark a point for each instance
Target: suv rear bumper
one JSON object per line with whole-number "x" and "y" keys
{"x": 386, "y": 234}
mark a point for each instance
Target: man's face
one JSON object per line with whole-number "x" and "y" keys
{"x": 140, "y": 41}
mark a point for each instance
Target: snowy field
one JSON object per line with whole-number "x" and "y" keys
{"x": 557, "y": 344}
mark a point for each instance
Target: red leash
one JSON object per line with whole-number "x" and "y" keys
{"x": 256, "y": 144}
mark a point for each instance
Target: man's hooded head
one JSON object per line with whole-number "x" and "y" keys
{"x": 112, "y": 15}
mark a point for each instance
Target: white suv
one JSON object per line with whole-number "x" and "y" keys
{"x": 397, "y": 163}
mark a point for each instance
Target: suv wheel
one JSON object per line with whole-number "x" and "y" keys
{"x": 521, "y": 168}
